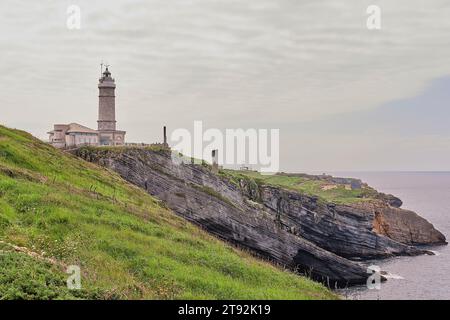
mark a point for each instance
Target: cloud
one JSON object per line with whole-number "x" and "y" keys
{"x": 231, "y": 63}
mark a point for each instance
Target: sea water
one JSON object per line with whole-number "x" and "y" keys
{"x": 422, "y": 277}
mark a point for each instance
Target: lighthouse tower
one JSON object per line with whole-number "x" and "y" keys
{"x": 108, "y": 135}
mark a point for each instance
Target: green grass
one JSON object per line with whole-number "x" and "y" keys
{"x": 314, "y": 187}
{"x": 22, "y": 277}
{"x": 126, "y": 243}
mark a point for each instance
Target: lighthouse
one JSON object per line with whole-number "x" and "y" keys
{"x": 107, "y": 133}
{"x": 74, "y": 135}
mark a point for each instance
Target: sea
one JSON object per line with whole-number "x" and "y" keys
{"x": 412, "y": 278}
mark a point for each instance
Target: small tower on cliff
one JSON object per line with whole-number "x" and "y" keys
{"x": 215, "y": 160}
{"x": 108, "y": 135}
{"x": 165, "y": 144}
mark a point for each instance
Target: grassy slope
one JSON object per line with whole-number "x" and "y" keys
{"x": 309, "y": 186}
{"x": 126, "y": 243}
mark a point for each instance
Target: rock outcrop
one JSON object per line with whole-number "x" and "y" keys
{"x": 390, "y": 200}
{"x": 287, "y": 227}
{"x": 344, "y": 230}
{"x": 404, "y": 226}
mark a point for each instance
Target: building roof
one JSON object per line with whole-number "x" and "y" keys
{"x": 78, "y": 128}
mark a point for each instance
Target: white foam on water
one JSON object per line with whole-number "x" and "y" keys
{"x": 393, "y": 276}
{"x": 435, "y": 253}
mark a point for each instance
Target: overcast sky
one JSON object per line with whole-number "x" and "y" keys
{"x": 344, "y": 97}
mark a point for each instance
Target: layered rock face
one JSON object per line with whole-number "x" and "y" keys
{"x": 290, "y": 228}
{"x": 344, "y": 230}
{"x": 404, "y": 226}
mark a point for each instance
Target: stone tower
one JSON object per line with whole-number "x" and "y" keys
{"x": 108, "y": 135}
{"x": 106, "y": 102}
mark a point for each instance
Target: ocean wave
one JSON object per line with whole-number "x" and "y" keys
{"x": 389, "y": 275}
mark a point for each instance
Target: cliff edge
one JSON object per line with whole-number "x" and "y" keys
{"x": 320, "y": 235}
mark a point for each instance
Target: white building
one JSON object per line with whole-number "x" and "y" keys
{"x": 71, "y": 135}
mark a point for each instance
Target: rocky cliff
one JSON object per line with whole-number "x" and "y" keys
{"x": 291, "y": 228}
